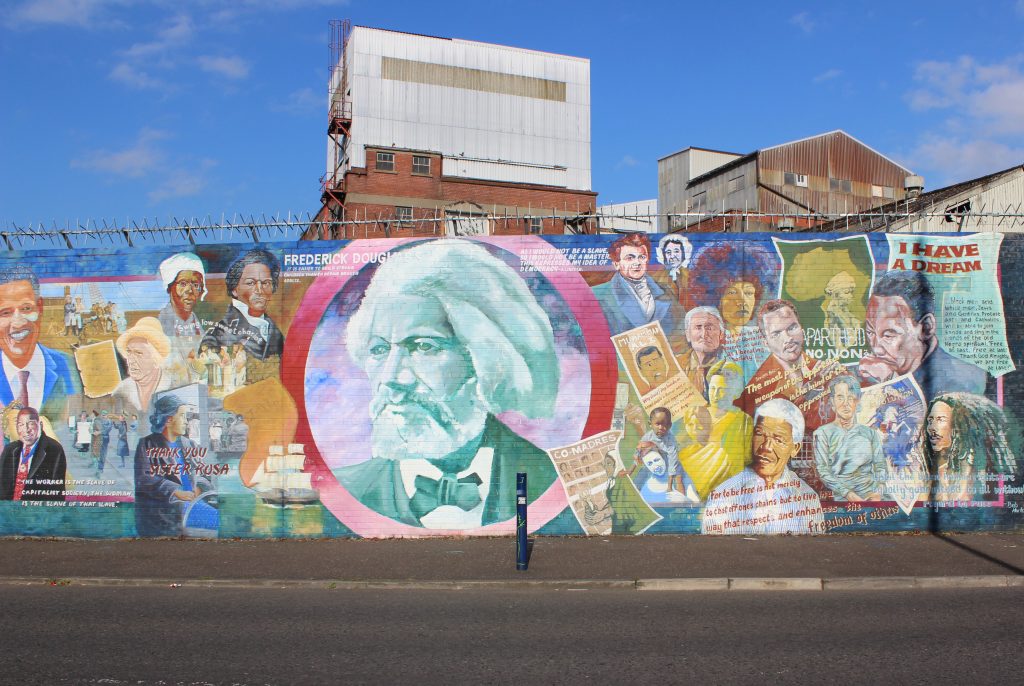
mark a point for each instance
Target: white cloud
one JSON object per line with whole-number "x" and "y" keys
{"x": 137, "y": 61}
{"x": 992, "y": 95}
{"x": 79, "y": 13}
{"x": 627, "y": 161}
{"x": 133, "y": 162}
{"x": 802, "y": 21}
{"x": 983, "y": 126}
{"x": 178, "y": 184}
{"x": 134, "y": 77}
{"x": 181, "y": 183}
{"x": 302, "y": 101}
{"x": 230, "y": 67}
{"x": 827, "y": 75}
{"x": 958, "y": 159}
{"x": 175, "y": 35}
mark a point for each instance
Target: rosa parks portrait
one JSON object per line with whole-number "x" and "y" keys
{"x": 439, "y": 340}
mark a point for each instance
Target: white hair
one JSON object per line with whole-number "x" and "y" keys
{"x": 706, "y": 309}
{"x": 489, "y": 307}
{"x": 780, "y": 408}
{"x": 674, "y": 238}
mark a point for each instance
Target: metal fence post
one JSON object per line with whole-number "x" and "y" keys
{"x": 522, "y": 558}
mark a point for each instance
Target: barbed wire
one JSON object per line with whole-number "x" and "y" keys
{"x": 294, "y": 226}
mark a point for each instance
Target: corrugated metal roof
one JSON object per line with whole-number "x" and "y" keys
{"x": 739, "y": 161}
{"x": 694, "y": 147}
{"x": 920, "y": 203}
{"x": 839, "y": 131}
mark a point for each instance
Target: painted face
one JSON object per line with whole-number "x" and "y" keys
{"x": 177, "y": 425}
{"x": 653, "y": 367}
{"x": 843, "y": 296}
{"x": 894, "y": 335}
{"x": 704, "y": 333}
{"x": 142, "y": 358}
{"x": 185, "y": 291}
{"x": 655, "y": 463}
{"x": 661, "y": 424}
{"x": 673, "y": 254}
{"x": 255, "y": 288}
{"x": 844, "y": 402}
{"x": 717, "y": 391}
{"x": 422, "y": 380}
{"x": 609, "y": 466}
{"x": 773, "y": 447}
{"x": 28, "y": 429}
{"x": 20, "y": 310}
{"x": 784, "y": 335}
{"x": 737, "y": 303}
{"x": 940, "y": 426}
{"x": 632, "y": 262}
{"x": 698, "y": 425}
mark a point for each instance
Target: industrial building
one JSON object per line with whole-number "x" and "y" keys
{"x": 990, "y": 203}
{"x": 628, "y": 217}
{"x": 435, "y": 136}
{"x": 808, "y": 179}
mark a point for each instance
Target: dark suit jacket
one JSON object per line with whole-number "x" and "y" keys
{"x": 377, "y": 483}
{"x": 48, "y": 463}
{"x": 235, "y": 328}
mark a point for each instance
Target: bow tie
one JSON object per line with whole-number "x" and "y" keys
{"x": 431, "y": 494}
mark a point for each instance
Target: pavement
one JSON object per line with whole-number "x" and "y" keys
{"x": 834, "y": 562}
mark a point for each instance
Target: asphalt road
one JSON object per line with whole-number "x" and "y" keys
{"x": 97, "y": 635}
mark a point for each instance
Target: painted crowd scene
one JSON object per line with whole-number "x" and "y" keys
{"x": 646, "y": 383}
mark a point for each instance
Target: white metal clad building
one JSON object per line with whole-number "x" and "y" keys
{"x": 495, "y": 113}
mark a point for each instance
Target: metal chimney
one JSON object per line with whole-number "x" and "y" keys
{"x": 913, "y": 185}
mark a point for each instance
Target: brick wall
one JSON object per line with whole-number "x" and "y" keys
{"x": 373, "y": 194}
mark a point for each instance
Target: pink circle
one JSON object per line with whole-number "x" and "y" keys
{"x": 580, "y": 300}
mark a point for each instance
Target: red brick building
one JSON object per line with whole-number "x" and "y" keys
{"x": 438, "y": 136}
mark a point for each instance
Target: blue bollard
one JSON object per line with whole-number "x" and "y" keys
{"x": 522, "y": 559}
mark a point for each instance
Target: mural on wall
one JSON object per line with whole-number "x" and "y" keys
{"x": 746, "y": 384}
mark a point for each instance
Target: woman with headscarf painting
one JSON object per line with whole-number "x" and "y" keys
{"x": 965, "y": 440}
{"x": 736, "y": 277}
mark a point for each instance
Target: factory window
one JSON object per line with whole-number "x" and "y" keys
{"x": 421, "y": 164}
{"x": 536, "y": 224}
{"x": 840, "y": 185}
{"x": 385, "y": 161}
{"x": 794, "y": 179}
{"x": 403, "y": 215}
{"x": 735, "y": 184}
{"x": 881, "y": 191}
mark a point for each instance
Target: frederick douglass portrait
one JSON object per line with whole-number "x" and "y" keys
{"x": 449, "y": 337}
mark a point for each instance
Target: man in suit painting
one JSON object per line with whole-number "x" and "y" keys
{"x": 632, "y": 298}
{"x": 251, "y": 281}
{"x": 33, "y": 467}
{"x": 33, "y": 374}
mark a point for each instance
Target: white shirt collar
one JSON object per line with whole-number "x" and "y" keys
{"x": 451, "y": 516}
{"x": 36, "y": 369}
{"x": 260, "y": 323}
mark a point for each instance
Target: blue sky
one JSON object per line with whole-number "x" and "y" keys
{"x": 117, "y": 110}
